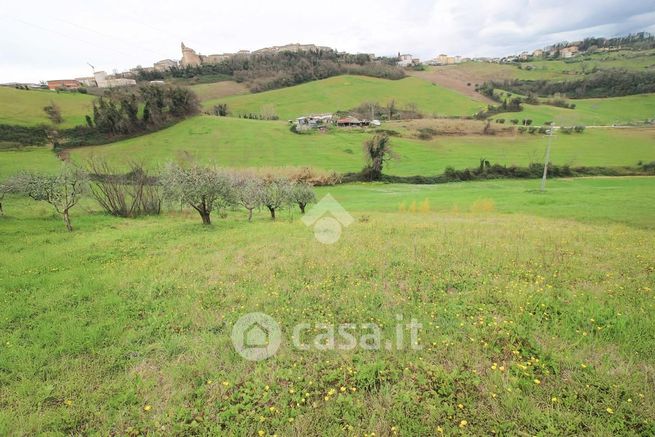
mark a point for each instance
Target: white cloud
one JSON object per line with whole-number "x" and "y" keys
{"x": 57, "y": 39}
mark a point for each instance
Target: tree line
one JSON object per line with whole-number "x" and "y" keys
{"x": 266, "y": 71}
{"x": 206, "y": 189}
{"x": 203, "y": 188}
{"x": 605, "y": 83}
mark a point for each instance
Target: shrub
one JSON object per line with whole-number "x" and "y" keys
{"x": 125, "y": 195}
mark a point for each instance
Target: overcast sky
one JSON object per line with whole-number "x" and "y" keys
{"x": 42, "y": 40}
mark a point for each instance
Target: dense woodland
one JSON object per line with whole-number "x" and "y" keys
{"x": 266, "y": 71}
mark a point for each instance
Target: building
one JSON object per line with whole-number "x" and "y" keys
{"x": 65, "y": 84}
{"x": 538, "y": 53}
{"x": 443, "y": 59}
{"x": 105, "y": 81}
{"x": 164, "y": 65}
{"x": 291, "y": 48}
{"x": 190, "y": 57}
{"x": 89, "y": 81}
{"x": 569, "y": 52}
{"x": 407, "y": 60}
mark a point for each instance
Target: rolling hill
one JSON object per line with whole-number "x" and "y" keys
{"x": 250, "y": 143}
{"x": 347, "y": 92}
{"x": 23, "y": 107}
{"x": 592, "y": 112}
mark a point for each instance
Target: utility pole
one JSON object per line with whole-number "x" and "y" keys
{"x": 543, "y": 179}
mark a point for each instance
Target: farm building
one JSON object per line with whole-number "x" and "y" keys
{"x": 68, "y": 84}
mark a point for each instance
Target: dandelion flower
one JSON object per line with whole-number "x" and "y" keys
{"x": 463, "y": 423}
{"x": 536, "y": 381}
{"x": 261, "y": 432}
{"x": 147, "y": 408}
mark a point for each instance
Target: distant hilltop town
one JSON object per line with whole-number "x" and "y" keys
{"x": 191, "y": 58}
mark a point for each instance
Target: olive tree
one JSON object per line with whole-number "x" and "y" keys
{"x": 63, "y": 191}
{"x": 277, "y": 193}
{"x": 203, "y": 188}
{"x": 303, "y": 194}
{"x": 249, "y": 191}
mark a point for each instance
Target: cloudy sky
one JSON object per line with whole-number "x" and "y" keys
{"x": 43, "y": 40}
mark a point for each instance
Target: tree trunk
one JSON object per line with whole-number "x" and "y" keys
{"x": 250, "y": 215}
{"x": 272, "y": 210}
{"x": 206, "y": 220}
{"x": 67, "y": 220}
{"x": 302, "y": 207}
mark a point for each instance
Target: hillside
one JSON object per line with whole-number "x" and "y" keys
{"x": 218, "y": 90}
{"x": 591, "y": 112}
{"x": 25, "y": 107}
{"x": 548, "y": 313}
{"x": 347, "y": 92}
{"x": 250, "y": 143}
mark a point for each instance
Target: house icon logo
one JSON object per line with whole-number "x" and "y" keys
{"x": 256, "y": 336}
{"x": 328, "y": 218}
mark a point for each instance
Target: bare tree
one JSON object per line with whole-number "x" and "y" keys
{"x": 303, "y": 194}
{"x": 377, "y": 151}
{"x": 62, "y": 191}
{"x": 125, "y": 195}
{"x": 277, "y": 193}
{"x": 203, "y": 188}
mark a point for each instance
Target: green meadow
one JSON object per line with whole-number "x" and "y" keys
{"x": 592, "y": 112}
{"x": 347, "y": 92}
{"x": 25, "y": 107}
{"x": 536, "y": 309}
{"x": 236, "y": 142}
{"x": 536, "y": 313}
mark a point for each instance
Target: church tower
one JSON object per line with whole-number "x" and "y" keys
{"x": 189, "y": 57}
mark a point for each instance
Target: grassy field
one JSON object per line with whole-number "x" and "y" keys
{"x": 592, "y": 112}
{"x": 531, "y": 325}
{"x": 347, "y": 92}
{"x": 585, "y": 64}
{"x": 25, "y": 107}
{"x": 236, "y": 142}
{"x": 218, "y": 90}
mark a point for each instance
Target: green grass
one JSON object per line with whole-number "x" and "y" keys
{"x": 592, "y": 200}
{"x": 347, "y": 92}
{"x": 123, "y": 314}
{"x": 585, "y": 64}
{"x": 25, "y": 107}
{"x": 592, "y": 112}
{"x": 36, "y": 159}
{"x": 218, "y": 90}
{"x": 247, "y": 143}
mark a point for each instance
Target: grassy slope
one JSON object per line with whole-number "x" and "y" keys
{"x": 218, "y": 90}
{"x": 571, "y": 69}
{"x": 542, "y": 69}
{"x": 593, "y": 112}
{"x": 141, "y": 311}
{"x": 595, "y": 200}
{"x": 26, "y": 107}
{"x": 249, "y": 143}
{"x": 347, "y": 92}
